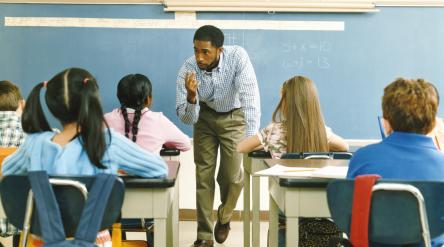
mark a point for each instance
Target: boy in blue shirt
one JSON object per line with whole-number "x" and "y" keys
{"x": 409, "y": 114}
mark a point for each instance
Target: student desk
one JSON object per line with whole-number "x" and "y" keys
{"x": 158, "y": 199}
{"x": 252, "y": 163}
{"x": 304, "y": 197}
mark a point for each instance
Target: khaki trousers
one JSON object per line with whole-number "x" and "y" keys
{"x": 215, "y": 131}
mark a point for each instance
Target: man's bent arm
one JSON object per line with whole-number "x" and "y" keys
{"x": 186, "y": 111}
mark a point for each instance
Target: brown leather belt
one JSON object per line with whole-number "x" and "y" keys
{"x": 202, "y": 104}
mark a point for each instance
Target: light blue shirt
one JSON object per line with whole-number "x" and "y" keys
{"x": 39, "y": 152}
{"x": 232, "y": 84}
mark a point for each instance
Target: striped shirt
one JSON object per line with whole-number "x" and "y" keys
{"x": 232, "y": 84}
{"x": 11, "y": 132}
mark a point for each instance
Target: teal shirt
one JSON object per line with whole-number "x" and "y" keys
{"x": 38, "y": 152}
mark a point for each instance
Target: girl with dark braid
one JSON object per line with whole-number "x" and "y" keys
{"x": 134, "y": 119}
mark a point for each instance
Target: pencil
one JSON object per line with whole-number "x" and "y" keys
{"x": 302, "y": 170}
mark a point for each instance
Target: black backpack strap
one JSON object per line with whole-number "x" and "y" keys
{"x": 47, "y": 207}
{"x": 92, "y": 213}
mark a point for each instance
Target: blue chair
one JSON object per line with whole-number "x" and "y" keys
{"x": 402, "y": 212}
{"x": 70, "y": 192}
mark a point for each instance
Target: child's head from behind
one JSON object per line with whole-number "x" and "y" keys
{"x": 70, "y": 93}
{"x": 10, "y": 97}
{"x": 410, "y": 105}
{"x": 72, "y": 96}
{"x": 299, "y": 109}
{"x": 134, "y": 91}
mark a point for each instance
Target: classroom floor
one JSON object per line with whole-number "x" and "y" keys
{"x": 187, "y": 235}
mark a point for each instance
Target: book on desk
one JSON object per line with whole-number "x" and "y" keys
{"x": 304, "y": 172}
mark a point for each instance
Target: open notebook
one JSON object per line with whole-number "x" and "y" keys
{"x": 302, "y": 172}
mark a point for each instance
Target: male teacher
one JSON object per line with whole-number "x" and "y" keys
{"x": 217, "y": 92}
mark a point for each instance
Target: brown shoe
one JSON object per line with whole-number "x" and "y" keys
{"x": 203, "y": 243}
{"x": 221, "y": 230}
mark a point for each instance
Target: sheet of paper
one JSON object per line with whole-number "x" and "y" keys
{"x": 303, "y": 172}
{"x": 285, "y": 171}
{"x": 331, "y": 172}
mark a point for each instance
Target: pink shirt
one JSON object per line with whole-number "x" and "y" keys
{"x": 155, "y": 130}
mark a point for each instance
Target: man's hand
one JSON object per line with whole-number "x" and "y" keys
{"x": 191, "y": 87}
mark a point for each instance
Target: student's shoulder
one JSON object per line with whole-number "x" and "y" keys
{"x": 38, "y": 139}
{"x": 160, "y": 119}
{"x": 275, "y": 126}
{"x": 112, "y": 114}
{"x": 369, "y": 152}
{"x": 44, "y": 135}
{"x": 114, "y": 135}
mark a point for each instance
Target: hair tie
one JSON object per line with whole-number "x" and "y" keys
{"x": 85, "y": 81}
{"x": 45, "y": 83}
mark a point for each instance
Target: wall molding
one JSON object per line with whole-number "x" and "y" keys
{"x": 190, "y": 215}
{"x": 255, "y": 5}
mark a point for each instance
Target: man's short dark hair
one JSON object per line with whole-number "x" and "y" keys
{"x": 210, "y": 33}
{"x": 10, "y": 96}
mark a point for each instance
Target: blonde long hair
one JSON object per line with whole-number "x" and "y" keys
{"x": 300, "y": 113}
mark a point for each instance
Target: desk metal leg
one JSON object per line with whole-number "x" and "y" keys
{"x": 246, "y": 215}
{"x": 160, "y": 231}
{"x": 255, "y": 222}
{"x": 273, "y": 230}
{"x": 175, "y": 214}
{"x": 170, "y": 228}
{"x": 292, "y": 232}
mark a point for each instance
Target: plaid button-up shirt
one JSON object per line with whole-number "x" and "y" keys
{"x": 11, "y": 135}
{"x": 11, "y": 132}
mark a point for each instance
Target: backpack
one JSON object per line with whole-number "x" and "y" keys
{"x": 49, "y": 214}
{"x": 314, "y": 232}
{"x": 317, "y": 232}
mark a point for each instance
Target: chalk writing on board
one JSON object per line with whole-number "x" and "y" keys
{"x": 233, "y": 39}
{"x": 307, "y": 54}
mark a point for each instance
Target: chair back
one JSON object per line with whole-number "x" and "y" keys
{"x": 70, "y": 196}
{"x": 398, "y": 215}
{"x": 6, "y": 151}
{"x": 318, "y": 155}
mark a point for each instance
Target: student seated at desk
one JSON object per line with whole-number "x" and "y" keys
{"x": 11, "y": 107}
{"x": 150, "y": 130}
{"x": 11, "y": 132}
{"x": 409, "y": 111}
{"x": 84, "y": 146}
{"x": 297, "y": 115}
